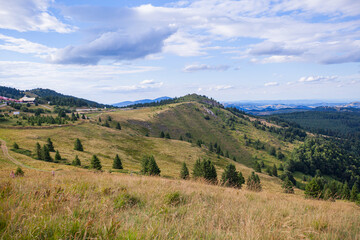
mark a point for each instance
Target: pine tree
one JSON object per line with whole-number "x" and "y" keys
{"x": 274, "y": 171}
{"x": 241, "y": 178}
{"x": 50, "y": 145}
{"x": 118, "y": 126}
{"x": 78, "y": 146}
{"x": 227, "y": 154}
{"x": 209, "y": 171}
{"x": 15, "y": 145}
{"x": 198, "y": 170}
{"x": 272, "y": 151}
{"x": 257, "y": 167}
{"x": 117, "y": 162}
{"x": 268, "y": 171}
{"x": 95, "y": 163}
{"x": 106, "y": 124}
{"x": 231, "y": 177}
{"x": 153, "y": 167}
{"x": 211, "y": 148}
{"x": 83, "y": 116}
{"x": 57, "y": 156}
{"x": 167, "y": 135}
{"x": 314, "y": 188}
{"x": 99, "y": 119}
{"x": 253, "y": 182}
{"x": 109, "y": 118}
{"x": 288, "y": 186}
{"x": 281, "y": 167}
{"x": 262, "y": 164}
{"x": 145, "y": 165}
{"x": 346, "y": 191}
{"x": 46, "y": 154}
{"x": 181, "y": 138}
{"x": 38, "y": 154}
{"x": 162, "y": 134}
{"x": 76, "y": 161}
{"x": 184, "y": 173}
{"x": 354, "y": 192}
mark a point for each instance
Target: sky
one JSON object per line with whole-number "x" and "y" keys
{"x": 111, "y": 51}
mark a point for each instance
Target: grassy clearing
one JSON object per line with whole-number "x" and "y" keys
{"x": 108, "y": 206}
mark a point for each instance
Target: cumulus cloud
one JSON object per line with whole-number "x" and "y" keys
{"x": 115, "y": 46}
{"x": 30, "y": 15}
{"x": 215, "y": 88}
{"x": 271, "y": 84}
{"x": 314, "y": 79}
{"x": 204, "y": 67}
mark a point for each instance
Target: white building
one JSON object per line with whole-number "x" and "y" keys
{"x": 26, "y": 99}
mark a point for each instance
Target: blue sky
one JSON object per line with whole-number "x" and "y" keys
{"x": 111, "y": 51}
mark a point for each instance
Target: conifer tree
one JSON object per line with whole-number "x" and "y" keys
{"x": 209, "y": 171}
{"x": 227, "y": 154}
{"x": 184, "y": 173}
{"x": 241, "y": 178}
{"x": 46, "y": 154}
{"x": 106, "y": 124}
{"x": 117, "y": 162}
{"x": 153, "y": 167}
{"x": 118, "y": 126}
{"x": 281, "y": 167}
{"x": 99, "y": 119}
{"x": 167, "y": 135}
{"x": 274, "y": 171}
{"x": 354, "y": 192}
{"x": 109, "y": 118}
{"x": 198, "y": 170}
{"x": 83, "y": 116}
{"x": 231, "y": 177}
{"x": 95, "y": 163}
{"x": 145, "y": 165}
{"x": 346, "y": 191}
{"x": 38, "y": 154}
{"x": 314, "y": 188}
{"x": 257, "y": 167}
{"x": 50, "y": 145}
{"x": 181, "y": 138}
{"x": 262, "y": 164}
{"x": 162, "y": 134}
{"x": 211, "y": 148}
{"x": 57, "y": 156}
{"x": 15, "y": 145}
{"x": 78, "y": 146}
{"x": 253, "y": 182}
{"x": 268, "y": 171}
{"x": 288, "y": 186}
{"x": 76, "y": 161}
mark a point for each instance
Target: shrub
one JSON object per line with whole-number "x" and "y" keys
{"x": 19, "y": 172}
{"x": 125, "y": 200}
{"x": 174, "y": 198}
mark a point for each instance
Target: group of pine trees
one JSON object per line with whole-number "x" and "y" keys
{"x": 320, "y": 188}
{"x": 107, "y": 122}
{"x": 165, "y": 135}
{"x": 149, "y": 166}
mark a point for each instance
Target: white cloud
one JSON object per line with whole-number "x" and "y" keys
{"x": 30, "y": 15}
{"x": 23, "y": 46}
{"x": 204, "y": 67}
{"x": 215, "y": 88}
{"x": 312, "y": 79}
{"x": 271, "y": 84}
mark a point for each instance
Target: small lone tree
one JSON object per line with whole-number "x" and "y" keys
{"x": 57, "y": 156}
{"x": 19, "y": 172}
{"x": 95, "y": 163}
{"x": 162, "y": 134}
{"x": 118, "y": 126}
{"x": 38, "y": 154}
{"x": 257, "y": 167}
{"x": 197, "y": 171}
{"x": 76, "y": 161}
{"x": 184, "y": 173}
{"x": 50, "y": 145}
{"x": 253, "y": 182}
{"x": 288, "y": 186}
{"x": 15, "y": 145}
{"x": 167, "y": 135}
{"x": 274, "y": 171}
{"x": 78, "y": 146}
{"x": 231, "y": 177}
{"x": 46, "y": 154}
{"x": 314, "y": 188}
{"x": 117, "y": 164}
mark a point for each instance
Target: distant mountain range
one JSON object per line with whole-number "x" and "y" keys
{"x": 273, "y": 107}
{"x": 128, "y": 103}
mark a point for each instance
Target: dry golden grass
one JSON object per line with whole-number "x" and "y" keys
{"x": 83, "y": 205}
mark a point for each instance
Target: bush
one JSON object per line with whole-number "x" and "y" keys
{"x": 125, "y": 200}
{"x": 174, "y": 198}
{"x": 19, "y": 172}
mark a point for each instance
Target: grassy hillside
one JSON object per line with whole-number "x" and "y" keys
{"x": 82, "y": 204}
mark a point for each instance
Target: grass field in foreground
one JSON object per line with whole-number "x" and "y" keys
{"x": 84, "y": 205}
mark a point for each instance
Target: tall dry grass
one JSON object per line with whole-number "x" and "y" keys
{"x": 85, "y": 205}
